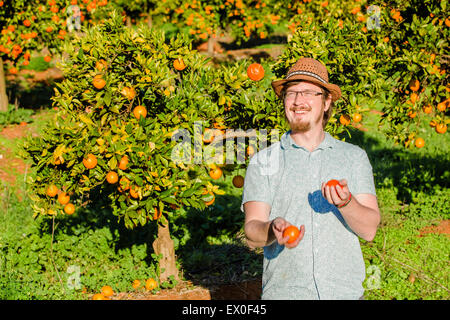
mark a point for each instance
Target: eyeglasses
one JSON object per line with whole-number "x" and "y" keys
{"x": 308, "y": 94}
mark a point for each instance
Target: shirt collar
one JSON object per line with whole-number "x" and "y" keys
{"x": 288, "y": 143}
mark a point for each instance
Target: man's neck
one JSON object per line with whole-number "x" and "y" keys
{"x": 309, "y": 140}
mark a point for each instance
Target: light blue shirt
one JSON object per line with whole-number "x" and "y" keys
{"x": 327, "y": 263}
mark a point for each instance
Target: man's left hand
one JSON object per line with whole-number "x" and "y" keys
{"x": 336, "y": 195}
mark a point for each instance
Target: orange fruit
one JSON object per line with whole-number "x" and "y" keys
{"x": 412, "y": 114}
{"x": 414, "y": 97}
{"x": 250, "y": 150}
{"x": 419, "y": 143}
{"x": 90, "y": 161}
{"x": 99, "y": 296}
{"x": 428, "y": 109}
{"x": 112, "y": 177}
{"x": 414, "y": 84}
{"x": 292, "y": 232}
{"x": 208, "y": 135}
{"x": 215, "y": 173}
{"x": 123, "y": 163}
{"x": 140, "y": 111}
{"x": 136, "y": 284}
{"x": 100, "y": 65}
{"x": 26, "y": 23}
{"x": 129, "y": 93}
{"x": 441, "y": 106}
{"x": 179, "y": 64}
{"x": 333, "y": 183}
{"x": 52, "y": 190}
{"x": 124, "y": 184}
{"x": 357, "y": 117}
{"x": 344, "y": 119}
{"x": 151, "y": 284}
{"x": 98, "y": 82}
{"x": 107, "y": 291}
{"x": 255, "y": 71}
{"x": 157, "y": 214}
{"x": 63, "y": 198}
{"x": 69, "y": 208}
{"x": 47, "y": 58}
{"x": 441, "y": 128}
{"x": 134, "y": 192}
{"x": 211, "y": 196}
{"x": 238, "y": 181}
{"x": 433, "y": 123}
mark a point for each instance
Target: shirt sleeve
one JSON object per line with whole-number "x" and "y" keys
{"x": 256, "y": 184}
{"x": 363, "y": 180}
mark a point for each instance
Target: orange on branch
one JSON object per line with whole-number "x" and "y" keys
{"x": 123, "y": 163}
{"x": 63, "y": 198}
{"x": 69, "y": 208}
{"x": 419, "y": 143}
{"x": 255, "y": 71}
{"x": 215, "y": 173}
{"x": 112, "y": 177}
{"x": 179, "y": 64}
{"x": 140, "y": 111}
{"x": 90, "y": 161}
{"x": 52, "y": 190}
{"x": 99, "y": 82}
{"x": 441, "y": 128}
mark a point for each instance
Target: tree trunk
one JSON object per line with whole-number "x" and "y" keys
{"x": 211, "y": 42}
{"x": 150, "y": 20}
{"x": 3, "y": 96}
{"x": 164, "y": 245}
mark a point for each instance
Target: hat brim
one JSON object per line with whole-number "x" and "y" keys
{"x": 335, "y": 91}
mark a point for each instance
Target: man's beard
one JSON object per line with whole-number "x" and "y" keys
{"x": 300, "y": 125}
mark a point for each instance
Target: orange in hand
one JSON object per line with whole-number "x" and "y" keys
{"x": 333, "y": 183}
{"x": 292, "y": 232}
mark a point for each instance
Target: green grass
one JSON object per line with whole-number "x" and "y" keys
{"x": 413, "y": 191}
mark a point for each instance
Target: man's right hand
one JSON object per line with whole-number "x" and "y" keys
{"x": 278, "y": 225}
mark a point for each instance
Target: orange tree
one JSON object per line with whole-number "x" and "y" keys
{"x": 204, "y": 20}
{"x": 344, "y": 52}
{"x": 126, "y": 101}
{"x": 415, "y": 43}
{"x": 398, "y": 65}
{"x": 28, "y": 26}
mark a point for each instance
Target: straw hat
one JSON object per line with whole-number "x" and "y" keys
{"x": 310, "y": 70}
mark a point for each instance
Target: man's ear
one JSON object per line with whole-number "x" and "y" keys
{"x": 327, "y": 103}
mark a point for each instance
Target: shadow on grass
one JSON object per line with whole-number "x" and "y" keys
{"x": 31, "y": 94}
{"x": 403, "y": 170}
{"x": 208, "y": 243}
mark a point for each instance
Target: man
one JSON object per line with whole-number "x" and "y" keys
{"x": 285, "y": 184}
